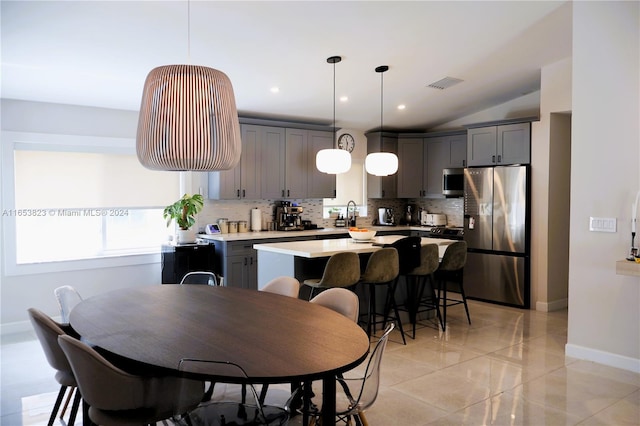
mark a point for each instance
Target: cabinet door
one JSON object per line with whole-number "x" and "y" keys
{"x": 438, "y": 156}
{"x": 252, "y": 140}
{"x": 273, "y": 163}
{"x": 457, "y": 151}
{"x": 228, "y": 184}
{"x": 296, "y": 163}
{"x": 514, "y": 144}
{"x": 410, "y": 167}
{"x": 319, "y": 185}
{"x": 481, "y": 146}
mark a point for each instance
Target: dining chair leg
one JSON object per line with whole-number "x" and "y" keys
{"x": 66, "y": 403}
{"x": 56, "y": 406}
{"x": 74, "y": 408}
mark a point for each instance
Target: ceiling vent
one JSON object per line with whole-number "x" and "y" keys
{"x": 444, "y": 83}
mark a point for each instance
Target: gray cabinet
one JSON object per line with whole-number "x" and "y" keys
{"x": 273, "y": 163}
{"x": 239, "y": 263}
{"x": 421, "y": 162}
{"x": 502, "y": 144}
{"x": 382, "y": 186}
{"x": 319, "y": 185}
{"x": 243, "y": 181}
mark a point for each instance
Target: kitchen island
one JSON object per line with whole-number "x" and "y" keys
{"x": 306, "y": 259}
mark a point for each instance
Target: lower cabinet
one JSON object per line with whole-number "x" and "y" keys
{"x": 178, "y": 260}
{"x": 238, "y": 263}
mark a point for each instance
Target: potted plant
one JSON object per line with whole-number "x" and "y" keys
{"x": 184, "y": 213}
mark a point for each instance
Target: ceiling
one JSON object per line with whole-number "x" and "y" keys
{"x": 98, "y": 53}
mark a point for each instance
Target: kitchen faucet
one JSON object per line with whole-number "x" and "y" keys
{"x": 352, "y": 219}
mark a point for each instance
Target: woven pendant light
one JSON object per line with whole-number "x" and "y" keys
{"x": 188, "y": 120}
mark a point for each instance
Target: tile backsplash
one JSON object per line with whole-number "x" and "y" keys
{"x": 235, "y": 210}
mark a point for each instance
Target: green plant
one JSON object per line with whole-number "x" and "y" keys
{"x": 184, "y": 211}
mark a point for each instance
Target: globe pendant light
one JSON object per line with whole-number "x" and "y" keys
{"x": 381, "y": 163}
{"x": 188, "y": 120}
{"x": 333, "y": 161}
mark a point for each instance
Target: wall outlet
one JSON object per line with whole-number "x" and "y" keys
{"x": 602, "y": 224}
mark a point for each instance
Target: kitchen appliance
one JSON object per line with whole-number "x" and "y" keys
{"x": 497, "y": 231}
{"x": 453, "y": 182}
{"x": 433, "y": 219}
{"x": 385, "y": 216}
{"x": 412, "y": 214}
{"x": 288, "y": 217}
{"x": 447, "y": 233}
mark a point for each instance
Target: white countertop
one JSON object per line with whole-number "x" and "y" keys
{"x": 261, "y": 235}
{"x": 325, "y": 248}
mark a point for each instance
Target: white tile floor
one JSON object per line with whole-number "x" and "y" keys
{"x": 507, "y": 368}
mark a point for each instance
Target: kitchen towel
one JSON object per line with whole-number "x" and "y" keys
{"x": 256, "y": 219}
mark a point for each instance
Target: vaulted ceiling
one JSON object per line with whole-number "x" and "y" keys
{"x": 98, "y": 53}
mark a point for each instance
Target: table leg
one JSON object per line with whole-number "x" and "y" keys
{"x": 328, "y": 400}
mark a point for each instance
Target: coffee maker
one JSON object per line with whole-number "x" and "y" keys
{"x": 385, "y": 216}
{"x": 288, "y": 217}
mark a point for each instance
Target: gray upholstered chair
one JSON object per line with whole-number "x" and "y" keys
{"x": 449, "y": 277}
{"x": 382, "y": 268}
{"x": 47, "y": 331}
{"x": 116, "y": 397}
{"x": 200, "y": 277}
{"x": 341, "y": 300}
{"x": 285, "y": 286}
{"x": 342, "y": 270}
{"x": 417, "y": 277}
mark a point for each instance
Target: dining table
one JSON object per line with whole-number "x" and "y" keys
{"x": 274, "y": 338}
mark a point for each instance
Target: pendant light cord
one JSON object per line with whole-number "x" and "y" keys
{"x": 189, "y": 32}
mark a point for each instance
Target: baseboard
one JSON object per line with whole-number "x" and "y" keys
{"x": 556, "y": 305}
{"x": 601, "y": 357}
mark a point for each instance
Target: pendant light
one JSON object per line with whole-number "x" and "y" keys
{"x": 381, "y": 163}
{"x": 188, "y": 119}
{"x": 333, "y": 161}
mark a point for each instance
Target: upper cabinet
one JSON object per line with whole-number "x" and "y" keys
{"x": 243, "y": 181}
{"x": 499, "y": 145}
{"x": 382, "y": 186}
{"x": 422, "y": 159}
{"x": 276, "y": 162}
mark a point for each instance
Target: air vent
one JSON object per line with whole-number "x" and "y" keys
{"x": 444, "y": 83}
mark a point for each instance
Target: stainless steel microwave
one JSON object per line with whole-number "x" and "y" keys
{"x": 453, "y": 182}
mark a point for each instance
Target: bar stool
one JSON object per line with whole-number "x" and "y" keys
{"x": 450, "y": 272}
{"x": 429, "y": 261}
{"x": 382, "y": 269}
{"x": 342, "y": 270}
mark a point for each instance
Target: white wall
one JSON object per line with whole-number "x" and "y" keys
{"x": 604, "y": 308}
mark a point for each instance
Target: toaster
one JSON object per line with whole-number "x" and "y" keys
{"x": 433, "y": 219}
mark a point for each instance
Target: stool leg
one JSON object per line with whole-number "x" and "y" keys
{"x": 436, "y": 298}
{"x": 372, "y": 310}
{"x": 392, "y": 289}
{"x": 464, "y": 298}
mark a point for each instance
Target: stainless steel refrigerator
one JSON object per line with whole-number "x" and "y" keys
{"x": 497, "y": 231}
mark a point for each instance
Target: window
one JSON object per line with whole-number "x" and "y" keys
{"x": 68, "y": 198}
{"x": 349, "y": 186}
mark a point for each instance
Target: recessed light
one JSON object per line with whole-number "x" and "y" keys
{"x": 402, "y": 106}
{"x": 275, "y": 89}
{"x": 344, "y": 98}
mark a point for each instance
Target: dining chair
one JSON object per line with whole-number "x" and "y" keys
{"x": 226, "y": 412}
{"x": 47, "y": 331}
{"x": 449, "y": 276}
{"x": 200, "y": 277}
{"x": 284, "y": 285}
{"x": 341, "y": 300}
{"x": 342, "y": 270}
{"x": 382, "y": 269}
{"x": 118, "y": 397}
{"x": 67, "y": 298}
{"x": 357, "y": 390}
{"x": 420, "y": 280}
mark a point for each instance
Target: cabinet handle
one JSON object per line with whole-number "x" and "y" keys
{"x": 288, "y": 193}
{"x": 493, "y": 158}
{"x": 244, "y": 194}
{"x": 238, "y": 193}
{"x": 499, "y": 158}
{"x": 245, "y": 261}
{"x": 251, "y": 261}
{"x": 382, "y": 193}
{"x": 283, "y": 192}
{"x": 464, "y": 163}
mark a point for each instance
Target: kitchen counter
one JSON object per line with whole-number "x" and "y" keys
{"x": 305, "y": 259}
{"x": 311, "y": 233}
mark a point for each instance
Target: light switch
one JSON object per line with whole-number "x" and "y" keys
{"x": 602, "y": 224}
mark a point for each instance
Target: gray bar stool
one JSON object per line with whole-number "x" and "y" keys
{"x": 449, "y": 275}
{"x": 417, "y": 285}
{"x": 341, "y": 270}
{"x": 382, "y": 268}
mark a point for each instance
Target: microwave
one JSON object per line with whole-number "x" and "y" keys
{"x": 453, "y": 182}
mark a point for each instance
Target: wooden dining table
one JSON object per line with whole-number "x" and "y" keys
{"x": 276, "y": 339}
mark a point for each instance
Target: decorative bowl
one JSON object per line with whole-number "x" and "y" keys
{"x": 362, "y": 234}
